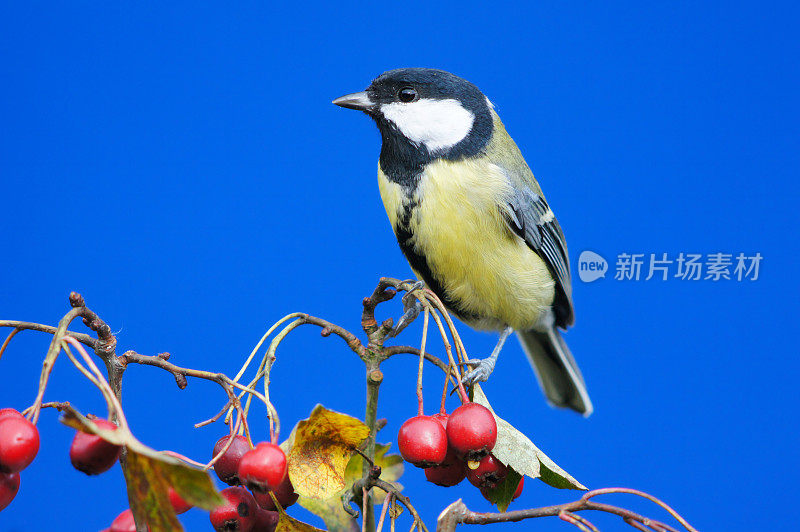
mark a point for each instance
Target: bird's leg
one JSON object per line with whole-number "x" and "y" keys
{"x": 482, "y": 368}
{"x": 411, "y": 309}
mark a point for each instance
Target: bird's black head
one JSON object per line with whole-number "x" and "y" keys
{"x": 423, "y": 114}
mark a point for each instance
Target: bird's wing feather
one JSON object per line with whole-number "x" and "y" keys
{"x": 528, "y": 215}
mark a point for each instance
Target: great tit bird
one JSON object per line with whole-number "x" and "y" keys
{"x": 472, "y": 220}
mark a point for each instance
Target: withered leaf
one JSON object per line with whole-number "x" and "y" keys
{"x": 331, "y": 510}
{"x": 322, "y": 446}
{"x": 516, "y": 450}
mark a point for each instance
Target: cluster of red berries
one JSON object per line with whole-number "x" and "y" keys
{"x": 453, "y": 447}
{"x": 19, "y": 443}
{"x": 262, "y": 469}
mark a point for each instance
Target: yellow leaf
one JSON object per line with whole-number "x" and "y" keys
{"x": 323, "y": 444}
{"x": 332, "y": 511}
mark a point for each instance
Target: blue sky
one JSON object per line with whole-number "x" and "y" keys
{"x": 182, "y": 167}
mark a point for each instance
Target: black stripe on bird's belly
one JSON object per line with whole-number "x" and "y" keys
{"x": 405, "y": 237}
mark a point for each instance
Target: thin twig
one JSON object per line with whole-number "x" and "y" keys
{"x": 391, "y": 350}
{"x": 647, "y": 496}
{"x": 364, "y": 496}
{"x": 28, "y": 326}
{"x": 105, "y": 388}
{"x": 460, "y": 387}
{"x": 182, "y": 458}
{"x": 387, "y": 502}
{"x": 89, "y": 376}
{"x": 421, "y": 410}
{"x": 370, "y": 482}
{"x": 11, "y": 335}
{"x": 577, "y": 520}
{"x": 262, "y": 340}
{"x": 636, "y": 524}
{"x": 459, "y": 513}
{"x": 573, "y": 519}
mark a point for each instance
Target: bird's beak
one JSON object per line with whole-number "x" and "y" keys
{"x": 360, "y": 101}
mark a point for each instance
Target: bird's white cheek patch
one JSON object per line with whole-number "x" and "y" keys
{"x": 437, "y": 124}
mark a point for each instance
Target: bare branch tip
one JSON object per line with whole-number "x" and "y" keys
{"x": 76, "y": 300}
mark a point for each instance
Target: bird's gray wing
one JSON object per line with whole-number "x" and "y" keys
{"x": 527, "y": 214}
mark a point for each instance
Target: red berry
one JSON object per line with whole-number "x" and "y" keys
{"x": 9, "y": 486}
{"x": 227, "y": 467}
{"x": 239, "y": 514}
{"x": 472, "y": 431}
{"x": 488, "y": 472}
{"x": 422, "y": 441}
{"x": 178, "y": 504}
{"x": 5, "y": 412}
{"x": 284, "y": 493}
{"x": 266, "y": 521}
{"x": 449, "y": 473}
{"x": 19, "y": 443}
{"x": 123, "y": 523}
{"x": 263, "y": 468}
{"x": 91, "y": 454}
{"x": 517, "y": 492}
{"x": 441, "y": 418}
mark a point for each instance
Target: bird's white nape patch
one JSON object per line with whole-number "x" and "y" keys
{"x": 436, "y": 124}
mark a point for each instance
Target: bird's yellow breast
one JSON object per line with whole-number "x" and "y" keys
{"x": 457, "y": 227}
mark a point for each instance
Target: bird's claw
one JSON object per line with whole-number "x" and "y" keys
{"x": 411, "y": 307}
{"x": 480, "y": 372}
{"x": 408, "y": 297}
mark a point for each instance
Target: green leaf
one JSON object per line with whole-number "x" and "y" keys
{"x": 149, "y": 474}
{"x": 502, "y": 493}
{"x": 517, "y": 451}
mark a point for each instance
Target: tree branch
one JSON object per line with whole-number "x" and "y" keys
{"x": 458, "y": 513}
{"x": 390, "y": 351}
{"x": 28, "y": 326}
{"x": 372, "y": 481}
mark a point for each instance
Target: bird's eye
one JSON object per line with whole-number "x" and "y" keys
{"x": 407, "y": 94}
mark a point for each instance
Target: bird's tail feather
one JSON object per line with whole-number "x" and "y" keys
{"x": 558, "y": 374}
